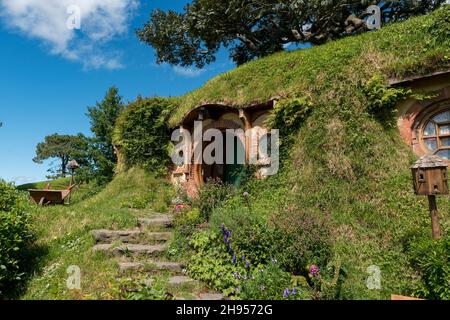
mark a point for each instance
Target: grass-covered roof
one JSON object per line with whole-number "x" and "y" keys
{"x": 415, "y": 47}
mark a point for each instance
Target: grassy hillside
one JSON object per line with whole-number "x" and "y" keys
{"x": 346, "y": 162}
{"x": 64, "y": 238}
{"x": 58, "y": 184}
{"x": 81, "y": 191}
{"x": 343, "y": 199}
{"x": 417, "y": 46}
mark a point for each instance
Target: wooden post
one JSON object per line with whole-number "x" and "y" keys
{"x": 434, "y": 217}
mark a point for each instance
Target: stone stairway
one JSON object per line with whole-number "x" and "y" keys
{"x": 140, "y": 250}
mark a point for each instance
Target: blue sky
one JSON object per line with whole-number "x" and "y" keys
{"x": 49, "y": 77}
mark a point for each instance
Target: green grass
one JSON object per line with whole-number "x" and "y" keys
{"x": 345, "y": 163}
{"x": 64, "y": 238}
{"x": 57, "y": 184}
{"x": 411, "y": 48}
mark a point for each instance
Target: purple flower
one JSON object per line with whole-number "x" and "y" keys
{"x": 294, "y": 292}
{"x": 286, "y": 293}
{"x": 243, "y": 258}
{"x": 234, "y": 259}
{"x": 247, "y": 264}
{"x": 314, "y": 270}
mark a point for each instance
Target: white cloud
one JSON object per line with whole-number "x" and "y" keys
{"x": 46, "y": 20}
{"x": 189, "y": 72}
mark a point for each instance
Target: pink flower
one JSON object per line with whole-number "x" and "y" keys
{"x": 314, "y": 270}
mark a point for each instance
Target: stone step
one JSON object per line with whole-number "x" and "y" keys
{"x": 209, "y": 296}
{"x": 174, "y": 281}
{"x": 158, "y": 221}
{"x": 158, "y": 236}
{"x": 158, "y": 265}
{"x": 108, "y": 236}
{"x": 131, "y": 248}
{"x": 180, "y": 280}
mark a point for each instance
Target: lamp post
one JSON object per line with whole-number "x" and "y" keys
{"x": 430, "y": 179}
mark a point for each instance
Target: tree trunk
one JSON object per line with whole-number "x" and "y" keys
{"x": 63, "y": 166}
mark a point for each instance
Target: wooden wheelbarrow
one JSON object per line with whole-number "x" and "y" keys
{"x": 48, "y": 197}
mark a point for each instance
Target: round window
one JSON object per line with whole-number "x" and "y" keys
{"x": 436, "y": 134}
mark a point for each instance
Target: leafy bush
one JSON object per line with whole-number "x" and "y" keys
{"x": 211, "y": 195}
{"x": 15, "y": 235}
{"x": 143, "y": 136}
{"x": 268, "y": 283}
{"x": 224, "y": 266}
{"x": 431, "y": 258}
{"x": 384, "y": 99}
{"x": 186, "y": 224}
{"x": 212, "y": 263}
{"x": 256, "y": 240}
{"x": 301, "y": 239}
{"x": 289, "y": 114}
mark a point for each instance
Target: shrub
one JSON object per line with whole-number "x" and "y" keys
{"x": 267, "y": 283}
{"x": 211, "y": 196}
{"x": 143, "y": 136}
{"x": 224, "y": 266}
{"x": 256, "y": 240}
{"x": 289, "y": 115}
{"x": 212, "y": 263}
{"x": 301, "y": 239}
{"x": 382, "y": 99}
{"x": 186, "y": 224}
{"x": 431, "y": 258}
{"x": 15, "y": 235}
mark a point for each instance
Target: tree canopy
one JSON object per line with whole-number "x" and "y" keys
{"x": 103, "y": 117}
{"x": 63, "y": 148}
{"x": 256, "y": 28}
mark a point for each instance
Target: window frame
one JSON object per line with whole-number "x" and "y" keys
{"x": 437, "y": 127}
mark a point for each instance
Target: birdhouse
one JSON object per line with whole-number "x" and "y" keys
{"x": 73, "y": 165}
{"x": 430, "y": 176}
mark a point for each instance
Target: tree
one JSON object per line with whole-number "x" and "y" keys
{"x": 103, "y": 117}
{"x": 64, "y": 148}
{"x": 143, "y": 134}
{"x": 256, "y": 28}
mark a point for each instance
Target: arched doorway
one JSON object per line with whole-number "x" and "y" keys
{"x": 232, "y": 165}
